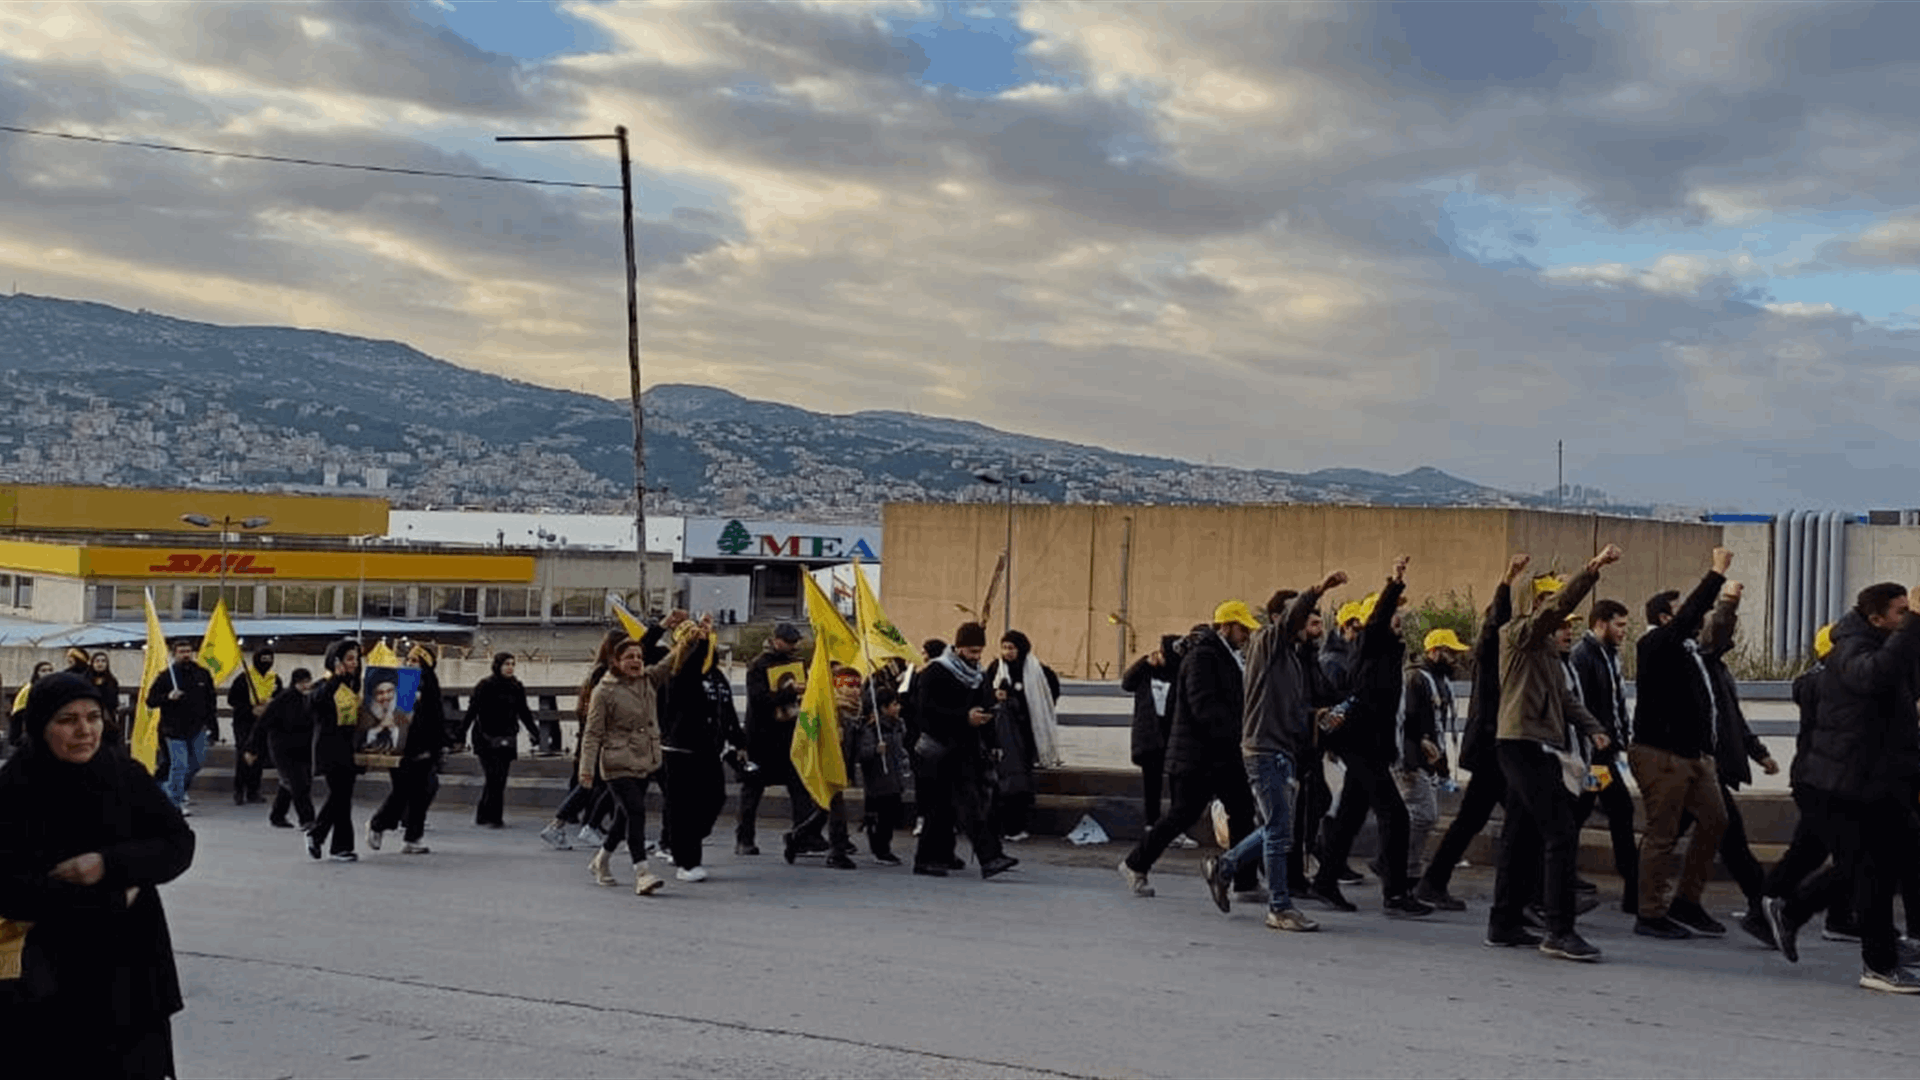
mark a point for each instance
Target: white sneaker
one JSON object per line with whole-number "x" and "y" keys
{"x": 555, "y": 837}
{"x": 415, "y": 849}
{"x": 591, "y": 836}
{"x": 1017, "y": 838}
{"x": 1182, "y": 840}
{"x": 1136, "y": 881}
{"x": 698, "y": 873}
{"x": 919, "y": 824}
{"x": 373, "y": 838}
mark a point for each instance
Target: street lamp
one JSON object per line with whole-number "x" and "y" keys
{"x": 633, "y": 337}
{"x": 1009, "y": 480}
{"x": 225, "y": 525}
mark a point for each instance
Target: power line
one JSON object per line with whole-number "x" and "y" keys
{"x": 303, "y": 161}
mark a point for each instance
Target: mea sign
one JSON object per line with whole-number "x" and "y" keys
{"x": 738, "y": 539}
{"x": 814, "y": 547}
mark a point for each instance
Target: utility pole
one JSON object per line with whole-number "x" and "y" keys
{"x": 633, "y": 339}
{"x": 1560, "y": 472}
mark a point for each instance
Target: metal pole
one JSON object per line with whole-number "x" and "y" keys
{"x": 225, "y": 524}
{"x": 1007, "y": 613}
{"x": 1560, "y": 472}
{"x": 633, "y": 368}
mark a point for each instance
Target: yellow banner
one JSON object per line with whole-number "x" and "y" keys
{"x": 146, "y": 719}
{"x": 220, "y": 648}
{"x": 881, "y": 639}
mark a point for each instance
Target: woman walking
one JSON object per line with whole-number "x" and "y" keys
{"x": 700, "y": 725}
{"x": 284, "y": 737}
{"x": 88, "y": 985}
{"x": 621, "y": 743}
{"x": 1024, "y": 693}
{"x": 496, "y": 714}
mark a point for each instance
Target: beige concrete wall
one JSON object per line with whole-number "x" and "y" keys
{"x": 1068, "y": 563}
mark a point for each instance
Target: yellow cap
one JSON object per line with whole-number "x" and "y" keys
{"x": 1349, "y": 612}
{"x": 1442, "y": 639}
{"x": 1235, "y": 611}
{"x": 1367, "y": 605}
{"x": 1823, "y": 642}
{"x": 1547, "y": 585}
{"x": 1576, "y": 620}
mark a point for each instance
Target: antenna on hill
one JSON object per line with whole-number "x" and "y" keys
{"x": 1560, "y": 472}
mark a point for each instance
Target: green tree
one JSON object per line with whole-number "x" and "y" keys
{"x": 734, "y": 539}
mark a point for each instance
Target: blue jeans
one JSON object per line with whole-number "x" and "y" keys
{"x": 1271, "y": 776}
{"x": 184, "y": 758}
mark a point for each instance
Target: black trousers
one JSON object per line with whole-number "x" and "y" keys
{"x": 883, "y": 817}
{"x": 1012, "y": 812}
{"x": 1369, "y": 786}
{"x": 413, "y": 785}
{"x": 335, "y": 821}
{"x": 1309, "y": 814}
{"x": 1486, "y": 790}
{"x": 549, "y": 737}
{"x": 953, "y": 799}
{"x": 1190, "y": 791}
{"x": 1737, "y": 854}
{"x": 630, "y": 819}
{"x": 695, "y": 787}
{"x": 1870, "y": 842}
{"x": 246, "y": 778}
{"x": 1617, "y": 803}
{"x": 1539, "y": 842}
{"x": 293, "y": 762}
{"x": 578, "y": 801}
{"x": 1153, "y": 768}
{"x": 755, "y": 784}
{"x": 493, "y": 791}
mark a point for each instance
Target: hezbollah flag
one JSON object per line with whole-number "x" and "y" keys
{"x": 634, "y": 627}
{"x": 220, "y": 649}
{"x": 146, "y": 718}
{"x": 878, "y": 636}
{"x": 816, "y": 751}
{"x": 381, "y": 655}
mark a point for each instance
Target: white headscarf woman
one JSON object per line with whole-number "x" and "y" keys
{"x": 1039, "y": 687}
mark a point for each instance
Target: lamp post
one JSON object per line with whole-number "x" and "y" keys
{"x": 225, "y": 525}
{"x": 633, "y": 337}
{"x": 1009, "y": 480}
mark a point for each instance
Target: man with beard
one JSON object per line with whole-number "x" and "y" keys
{"x": 1603, "y": 689}
{"x": 1203, "y": 750}
{"x": 956, "y": 732}
{"x": 184, "y": 695}
{"x": 248, "y": 698}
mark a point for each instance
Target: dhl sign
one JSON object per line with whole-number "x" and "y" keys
{"x": 187, "y": 562}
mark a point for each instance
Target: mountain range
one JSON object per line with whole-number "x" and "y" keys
{"x": 101, "y": 395}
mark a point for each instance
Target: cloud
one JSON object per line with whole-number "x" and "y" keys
{"x": 1214, "y": 231}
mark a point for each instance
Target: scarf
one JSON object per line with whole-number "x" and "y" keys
{"x": 346, "y": 706}
{"x": 1046, "y": 728}
{"x": 260, "y": 683}
{"x": 969, "y": 676}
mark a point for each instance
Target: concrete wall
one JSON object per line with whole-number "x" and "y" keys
{"x": 1179, "y": 562}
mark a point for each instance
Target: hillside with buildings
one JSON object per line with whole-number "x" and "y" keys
{"x": 100, "y": 395}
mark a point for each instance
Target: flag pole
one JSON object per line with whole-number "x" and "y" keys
{"x": 866, "y": 650}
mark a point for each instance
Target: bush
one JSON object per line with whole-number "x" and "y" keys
{"x": 1448, "y": 611}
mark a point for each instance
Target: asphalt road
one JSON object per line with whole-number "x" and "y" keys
{"x": 493, "y": 957}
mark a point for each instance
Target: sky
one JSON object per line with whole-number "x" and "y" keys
{"x": 1681, "y": 238}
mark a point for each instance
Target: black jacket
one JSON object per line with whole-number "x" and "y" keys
{"x": 1336, "y": 660}
{"x": 1429, "y": 709}
{"x": 1378, "y": 663}
{"x": 197, "y": 708}
{"x": 942, "y": 703}
{"x": 240, "y": 702}
{"x": 429, "y": 735}
{"x": 92, "y": 961}
{"x": 771, "y": 710}
{"x": 496, "y": 713}
{"x": 1150, "y": 724}
{"x": 1278, "y": 712}
{"x": 1594, "y": 662}
{"x": 1207, "y": 719}
{"x": 1674, "y": 711}
{"x": 1734, "y": 743}
{"x": 1480, "y": 737}
{"x": 699, "y": 717}
{"x": 285, "y": 728}
{"x": 1806, "y": 696}
{"x": 332, "y": 732}
{"x": 1866, "y": 737}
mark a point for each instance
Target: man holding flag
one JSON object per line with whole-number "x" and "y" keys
{"x": 185, "y": 697}
{"x": 816, "y": 753}
{"x": 248, "y": 700}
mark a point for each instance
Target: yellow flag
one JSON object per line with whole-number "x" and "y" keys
{"x": 381, "y": 655}
{"x": 146, "y": 718}
{"x": 634, "y": 627}
{"x": 830, "y": 630}
{"x": 882, "y": 639}
{"x": 220, "y": 649}
{"x": 816, "y": 753}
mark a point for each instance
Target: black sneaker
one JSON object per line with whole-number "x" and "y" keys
{"x": 929, "y": 871}
{"x": 1754, "y": 922}
{"x": 1518, "y": 937}
{"x": 1349, "y": 876}
{"x": 1439, "y": 898}
{"x": 745, "y": 849}
{"x": 313, "y": 845}
{"x": 996, "y": 867}
{"x": 1898, "y": 981}
{"x": 838, "y": 861}
{"x": 1217, "y": 885}
{"x": 1581, "y": 884}
{"x": 957, "y": 863}
{"x": 1584, "y": 902}
{"x": 1786, "y": 933}
{"x": 1695, "y": 918}
{"x": 1570, "y": 946}
{"x": 1840, "y": 932}
{"x": 1533, "y": 917}
{"x": 1664, "y": 928}
{"x": 280, "y": 823}
{"x": 1329, "y": 894}
{"x": 1406, "y": 907}
{"x": 789, "y": 848}
{"x": 886, "y": 858}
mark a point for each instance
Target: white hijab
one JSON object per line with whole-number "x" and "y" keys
{"x": 1039, "y": 695}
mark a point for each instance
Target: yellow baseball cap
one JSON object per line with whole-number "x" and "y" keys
{"x": 1547, "y": 585}
{"x": 1823, "y": 642}
{"x": 1235, "y": 611}
{"x": 1442, "y": 639}
{"x": 1349, "y": 612}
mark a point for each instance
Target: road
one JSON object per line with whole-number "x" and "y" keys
{"x": 493, "y": 957}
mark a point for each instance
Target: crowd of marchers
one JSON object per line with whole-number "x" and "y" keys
{"x": 1255, "y": 716}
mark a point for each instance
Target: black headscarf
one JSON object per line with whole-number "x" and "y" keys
{"x": 499, "y": 659}
{"x": 1021, "y": 646}
{"x": 48, "y": 696}
{"x": 263, "y": 661}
